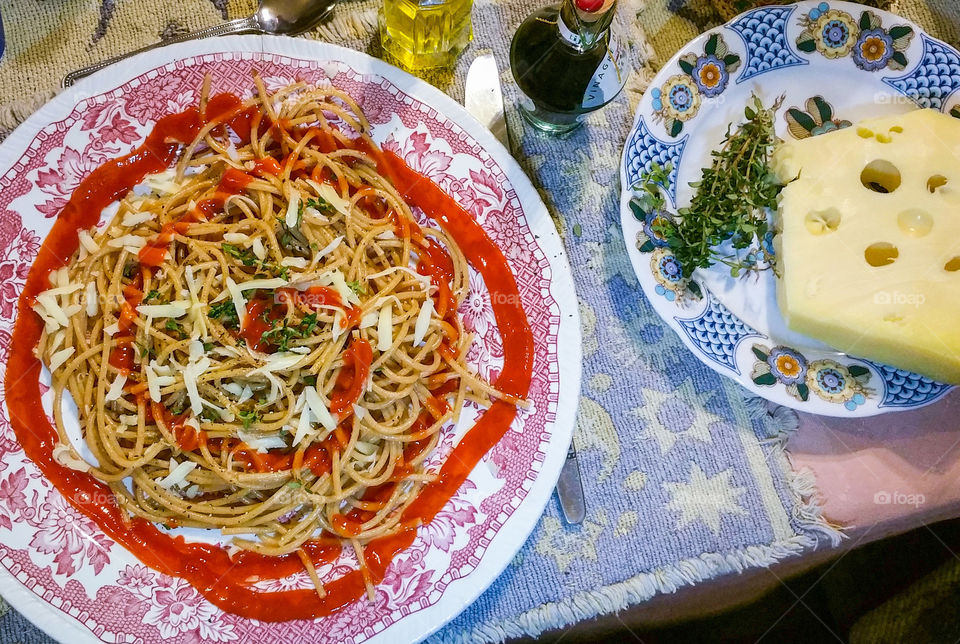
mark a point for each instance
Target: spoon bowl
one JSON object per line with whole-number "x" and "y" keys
{"x": 291, "y": 17}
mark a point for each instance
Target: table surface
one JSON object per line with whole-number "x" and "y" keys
{"x": 875, "y": 476}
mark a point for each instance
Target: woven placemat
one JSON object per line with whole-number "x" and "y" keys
{"x": 672, "y": 426}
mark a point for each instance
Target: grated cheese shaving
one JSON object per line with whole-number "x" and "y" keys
{"x": 190, "y": 375}
{"x": 232, "y": 151}
{"x": 318, "y": 409}
{"x": 385, "y": 327}
{"x": 303, "y": 427}
{"x": 174, "y": 309}
{"x": 116, "y": 388}
{"x": 136, "y": 218}
{"x": 423, "y": 279}
{"x": 86, "y": 240}
{"x": 233, "y": 388}
{"x": 331, "y": 196}
{"x": 259, "y": 442}
{"x": 423, "y": 322}
{"x": 239, "y": 304}
{"x": 92, "y": 300}
{"x": 369, "y": 319}
{"x": 58, "y": 358}
{"x": 258, "y": 249}
{"x": 293, "y": 208}
{"x": 128, "y": 241}
{"x": 162, "y": 183}
{"x": 236, "y": 238}
{"x": 178, "y": 475}
{"x": 294, "y": 262}
{"x": 329, "y": 248}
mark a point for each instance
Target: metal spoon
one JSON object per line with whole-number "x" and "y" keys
{"x": 278, "y": 17}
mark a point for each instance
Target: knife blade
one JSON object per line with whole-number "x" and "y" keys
{"x": 483, "y": 97}
{"x": 570, "y": 489}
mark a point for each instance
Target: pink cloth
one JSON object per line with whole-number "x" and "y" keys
{"x": 893, "y": 472}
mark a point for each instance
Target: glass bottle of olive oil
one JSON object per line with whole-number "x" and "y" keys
{"x": 423, "y": 34}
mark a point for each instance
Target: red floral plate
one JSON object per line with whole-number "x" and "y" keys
{"x": 73, "y": 581}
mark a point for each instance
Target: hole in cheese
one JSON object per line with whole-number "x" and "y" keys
{"x": 915, "y": 222}
{"x": 952, "y": 265}
{"x": 881, "y": 254}
{"x": 821, "y": 222}
{"x": 880, "y": 176}
{"x": 936, "y": 181}
{"x": 883, "y": 138}
{"x": 864, "y": 133}
{"x": 897, "y": 129}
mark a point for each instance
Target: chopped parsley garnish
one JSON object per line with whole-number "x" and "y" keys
{"x": 207, "y": 347}
{"x": 322, "y": 206}
{"x": 357, "y": 287}
{"x": 153, "y": 294}
{"x": 173, "y": 325}
{"x": 308, "y": 324}
{"x": 145, "y": 350}
{"x": 129, "y": 270}
{"x": 282, "y": 333}
{"x": 310, "y": 381}
{"x": 249, "y": 418}
{"x": 225, "y": 312}
{"x": 245, "y": 255}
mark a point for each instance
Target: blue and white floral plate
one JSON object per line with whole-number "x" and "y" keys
{"x": 835, "y": 63}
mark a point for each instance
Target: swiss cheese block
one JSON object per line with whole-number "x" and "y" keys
{"x": 868, "y": 242}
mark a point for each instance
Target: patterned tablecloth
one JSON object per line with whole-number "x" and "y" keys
{"x": 686, "y": 478}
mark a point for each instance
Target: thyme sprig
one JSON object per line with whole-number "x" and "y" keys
{"x": 731, "y": 201}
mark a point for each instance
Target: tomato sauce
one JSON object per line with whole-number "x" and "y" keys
{"x": 261, "y": 315}
{"x": 223, "y": 579}
{"x": 352, "y": 378}
{"x": 267, "y": 166}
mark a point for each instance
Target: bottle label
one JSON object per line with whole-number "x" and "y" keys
{"x": 568, "y": 35}
{"x": 609, "y": 78}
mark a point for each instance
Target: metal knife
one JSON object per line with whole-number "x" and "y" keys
{"x": 570, "y": 489}
{"x": 483, "y": 98}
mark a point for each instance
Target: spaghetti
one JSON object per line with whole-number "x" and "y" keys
{"x": 263, "y": 340}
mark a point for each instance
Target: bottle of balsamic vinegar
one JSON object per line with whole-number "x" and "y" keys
{"x": 566, "y": 60}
